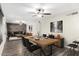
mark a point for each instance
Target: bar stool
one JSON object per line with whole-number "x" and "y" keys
{"x": 77, "y": 43}
{"x": 71, "y": 51}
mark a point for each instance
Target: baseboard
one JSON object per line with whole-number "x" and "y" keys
{"x": 2, "y": 47}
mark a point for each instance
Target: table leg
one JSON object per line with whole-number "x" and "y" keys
{"x": 43, "y": 51}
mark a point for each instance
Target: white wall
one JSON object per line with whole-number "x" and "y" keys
{"x": 34, "y": 26}
{"x": 3, "y": 35}
{"x": 45, "y": 24}
{"x": 70, "y": 27}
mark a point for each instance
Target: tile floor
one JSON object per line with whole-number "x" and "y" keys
{"x": 16, "y": 48}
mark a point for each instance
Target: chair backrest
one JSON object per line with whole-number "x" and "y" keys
{"x": 76, "y": 42}
{"x": 73, "y": 45}
{"x": 51, "y": 36}
{"x": 26, "y": 42}
{"x": 30, "y": 46}
{"x": 44, "y": 35}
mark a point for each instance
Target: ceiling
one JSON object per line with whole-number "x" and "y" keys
{"x": 21, "y": 10}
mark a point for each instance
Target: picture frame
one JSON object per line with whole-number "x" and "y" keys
{"x": 60, "y": 26}
{"x": 56, "y": 26}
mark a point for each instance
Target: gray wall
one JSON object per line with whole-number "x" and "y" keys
{"x": 14, "y": 27}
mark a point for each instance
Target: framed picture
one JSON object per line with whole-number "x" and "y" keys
{"x": 56, "y": 26}
{"x": 29, "y": 27}
{"x": 60, "y": 26}
{"x": 52, "y": 27}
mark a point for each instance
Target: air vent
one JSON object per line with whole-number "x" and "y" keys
{"x": 73, "y": 13}
{"x": 47, "y": 13}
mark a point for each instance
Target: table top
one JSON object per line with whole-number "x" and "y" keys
{"x": 43, "y": 42}
{"x": 46, "y": 42}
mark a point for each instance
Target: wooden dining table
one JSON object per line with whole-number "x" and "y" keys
{"x": 42, "y": 42}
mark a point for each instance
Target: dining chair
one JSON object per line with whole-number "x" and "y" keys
{"x": 77, "y": 43}
{"x": 30, "y": 46}
{"x": 71, "y": 49}
{"x": 44, "y": 35}
{"x": 51, "y": 36}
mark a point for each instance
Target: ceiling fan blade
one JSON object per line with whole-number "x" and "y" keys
{"x": 34, "y": 15}
{"x": 46, "y": 13}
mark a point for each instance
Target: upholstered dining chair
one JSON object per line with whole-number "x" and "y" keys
{"x": 51, "y": 36}
{"x": 44, "y": 35}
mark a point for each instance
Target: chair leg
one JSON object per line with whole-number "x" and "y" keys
{"x": 40, "y": 52}
{"x": 69, "y": 52}
{"x": 25, "y": 53}
{"x": 50, "y": 50}
{"x": 66, "y": 51}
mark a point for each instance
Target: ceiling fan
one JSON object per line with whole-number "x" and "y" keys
{"x": 40, "y": 12}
